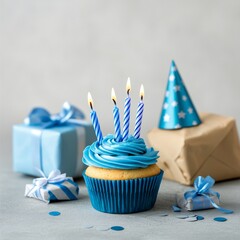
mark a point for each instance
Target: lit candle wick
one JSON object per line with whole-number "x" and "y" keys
{"x": 127, "y": 105}
{"x": 139, "y": 115}
{"x": 94, "y": 119}
{"x": 116, "y": 118}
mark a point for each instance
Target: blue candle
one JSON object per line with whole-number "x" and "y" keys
{"x": 116, "y": 118}
{"x": 139, "y": 115}
{"x": 94, "y": 119}
{"x": 126, "y": 119}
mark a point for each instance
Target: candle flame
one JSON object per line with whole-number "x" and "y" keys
{"x": 128, "y": 85}
{"x": 142, "y": 92}
{"x": 114, "y": 98}
{"x": 90, "y": 101}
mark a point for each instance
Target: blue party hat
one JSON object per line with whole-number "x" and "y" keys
{"x": 178, "y": 110}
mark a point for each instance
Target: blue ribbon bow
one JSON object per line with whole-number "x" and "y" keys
{"x": 40, "y": 117}
{"x": 203, "y": 188}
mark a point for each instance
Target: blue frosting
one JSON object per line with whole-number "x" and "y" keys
{"x": 130, "y": 154}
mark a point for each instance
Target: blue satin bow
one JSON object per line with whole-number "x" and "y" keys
{"x": 40, "y": 117}
{"x": 203, "y": 188}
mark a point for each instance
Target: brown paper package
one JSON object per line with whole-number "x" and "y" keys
{"x": 212, "y": 148}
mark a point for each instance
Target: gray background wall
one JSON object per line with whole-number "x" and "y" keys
{"x": 56, "y": 50}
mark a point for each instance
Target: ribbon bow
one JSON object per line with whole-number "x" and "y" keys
{"x": 55, "y": 176}
{"x": 42, "y": 118}
{"x": 203, "y": 188}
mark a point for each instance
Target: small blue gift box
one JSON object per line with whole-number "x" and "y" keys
{"x": 197, "y": 203}
{"x": 51, "y": 142}
{"x": 53, "y": 188}
{"x": 202, "y": 197}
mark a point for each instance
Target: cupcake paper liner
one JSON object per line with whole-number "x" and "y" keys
{"x": 123, "y": 196}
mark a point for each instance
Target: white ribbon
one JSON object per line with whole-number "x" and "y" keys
{"x": 55, "y": 176}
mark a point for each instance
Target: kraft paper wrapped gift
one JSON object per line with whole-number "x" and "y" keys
{"x": 212, "y": 148}
{"x": 56, "y": 147}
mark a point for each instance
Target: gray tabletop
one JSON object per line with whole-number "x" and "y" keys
{"x": 25, "y": 218}
{"x": 53, "y": 51}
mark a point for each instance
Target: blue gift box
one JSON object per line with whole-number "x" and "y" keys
{"x": 57, "y": 147}
{"x": 202, "y": 197}
{"x": 197, "y": 203}
{"x": 53, "y": 188}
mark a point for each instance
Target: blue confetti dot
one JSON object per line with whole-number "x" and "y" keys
{"x": 200, "y": 217}
{"x": 220, "y": 219}
{"x": 117, "y": 228}
{"x": 54, "y": 213}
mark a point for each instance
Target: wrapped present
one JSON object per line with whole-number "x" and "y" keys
{"x": 192, "y": 144}
{"x": 202, "y": 197}
{"x": 198, "y": 203}
{"x": 212, "y": 148}
{"x": 50, "y": 142}
{"x": 55, "y": 187}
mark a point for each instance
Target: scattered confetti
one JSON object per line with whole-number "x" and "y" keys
{"x": 163, "y": 214}
{"x": 117, "y": 228}
{"x": 102, "y": 228}
{"x": 176, "y": 209}
{"x": 87, "y": 226}
{"x": 191, "y": 219}
{"x": 54, "y": 213}
{"x": 200, "y": 217}
{"x": 220, "y": 219}
{"x": 182, "y": 216}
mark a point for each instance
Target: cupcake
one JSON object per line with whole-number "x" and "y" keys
{"x": 121, "y": 177}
